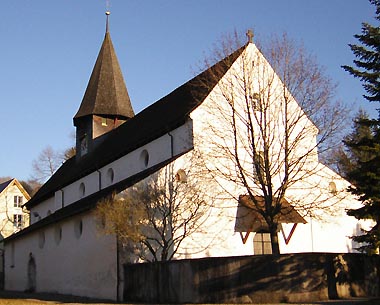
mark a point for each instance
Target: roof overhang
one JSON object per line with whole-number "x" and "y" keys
{"x": 249, "y": 214}
{"x": 91, "y": 201}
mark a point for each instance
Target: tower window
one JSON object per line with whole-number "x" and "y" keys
{"x": 104, "y": 122}
{"x": 83, "y": 145}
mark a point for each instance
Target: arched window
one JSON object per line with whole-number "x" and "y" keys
{"x": 78, "y": 228}
{"x": 144, "y": 158}
{"x": 181, "y": 176}
{"x": 256, "y": 102}
{"x": 260, "y": 162}
{"x": 41, "y": 239}
{"x": 110, "y": 176}
{"x": 82, "y": 190}
{"x": 58, "y": 234}
{"x": 332, "y": 188}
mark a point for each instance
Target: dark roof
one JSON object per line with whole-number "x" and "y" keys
{"x": 166, "y": 114}
{"x": 106, "y": 93}
{"x": 249, "y": 218}
{"x": 88, "y": 202}
{"x": 4, "y": 185}
{"x": 14, "y": 181}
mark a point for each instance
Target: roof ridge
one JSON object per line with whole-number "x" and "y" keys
{"x": 158, "y": 118}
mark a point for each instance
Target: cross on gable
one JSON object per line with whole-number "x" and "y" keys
{"x": 250, "y": 36}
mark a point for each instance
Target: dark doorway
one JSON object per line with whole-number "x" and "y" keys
{"x": 31, "y": 274}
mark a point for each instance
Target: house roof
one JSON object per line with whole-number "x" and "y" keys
{"x": 249, "y": 218}
{"x": 106, "y": 93}
{"x": 164, "y": 115}
{"x": 5, "y": 185}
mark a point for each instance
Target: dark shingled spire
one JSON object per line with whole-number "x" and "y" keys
{"x": 106, "y": 94}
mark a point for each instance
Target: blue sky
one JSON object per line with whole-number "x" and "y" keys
{"x": 49, "y": 48}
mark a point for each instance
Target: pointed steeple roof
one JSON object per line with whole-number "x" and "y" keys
{"x": 106, "y": 93}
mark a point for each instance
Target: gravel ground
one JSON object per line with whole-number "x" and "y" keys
{"x": 20, "y": 298}
{"x": 16, "y": 298}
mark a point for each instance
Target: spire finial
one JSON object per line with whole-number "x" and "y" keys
{"x": 250, "y": 36}
{"x": 107, "y": 15}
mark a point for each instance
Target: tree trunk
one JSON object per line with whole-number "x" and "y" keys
{"x": 274, "y": 240}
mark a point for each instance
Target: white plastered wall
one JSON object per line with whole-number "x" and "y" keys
{"x": 77, "y": 264}
{"x": 84, "y": 266}
{"x": 163, "y": 148}
{"x": 328, "y": 230}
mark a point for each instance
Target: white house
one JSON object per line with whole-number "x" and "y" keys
{"x": 62, "y": 250}
{"x": 13, "y": 217}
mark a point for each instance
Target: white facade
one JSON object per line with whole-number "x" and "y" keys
{"x": 319, "y": 194}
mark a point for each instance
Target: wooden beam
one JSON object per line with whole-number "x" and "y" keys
{"x": 245, "y": 237}
{"x": 287, "y": 238}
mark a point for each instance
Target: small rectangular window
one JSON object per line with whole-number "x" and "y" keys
{"x": 18, "y": 201}
{"x": 262, "y": 244}
{"x": 17, "y": 221}
{"x": 104, "y": 121}
{"x": 256, "y": 102}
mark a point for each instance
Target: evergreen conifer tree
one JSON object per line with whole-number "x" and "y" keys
{"x": 365, "y": 172}
{"x": 347, "y": 157}
{"x": 368, "y": 58}
{"x": 364, "y": 150}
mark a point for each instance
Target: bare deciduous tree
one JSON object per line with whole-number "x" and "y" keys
{"x": 46, "y": 164}
{"x": 157, "y": 214}
{"x": 265, "y": 124}
{"x": 48, "y": 161}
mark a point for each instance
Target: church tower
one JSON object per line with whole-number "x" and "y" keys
{"x": 106, "y": 103}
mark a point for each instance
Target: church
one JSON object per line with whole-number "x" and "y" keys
{"x": 63, "y": 251}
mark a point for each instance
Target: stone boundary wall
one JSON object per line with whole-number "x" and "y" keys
{"x": 304, "y": 277}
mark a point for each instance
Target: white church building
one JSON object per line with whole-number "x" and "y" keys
{"x": 63, "y": 251}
